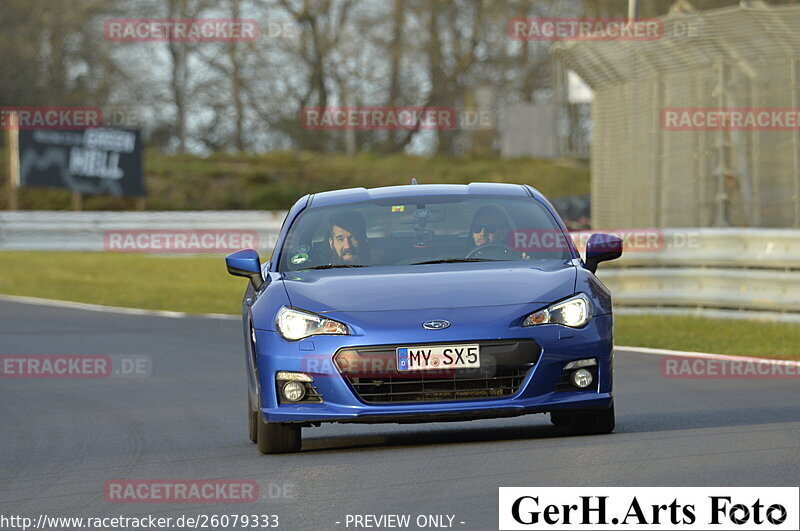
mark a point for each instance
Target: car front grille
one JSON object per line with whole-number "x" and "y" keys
{"x": 375, "y": 379}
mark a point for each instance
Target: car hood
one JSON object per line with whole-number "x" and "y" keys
{"x": 430, "y": 286}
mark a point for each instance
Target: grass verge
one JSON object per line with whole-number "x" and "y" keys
{"x": 200, "y": 284}
{"x": 718, "y": 336}
{"x": 194, "y": 284}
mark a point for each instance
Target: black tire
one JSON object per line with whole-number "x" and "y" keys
{"x": 252, "y": 421}
{"x": 277, "y": 437}
{"x": 588, "y": 422}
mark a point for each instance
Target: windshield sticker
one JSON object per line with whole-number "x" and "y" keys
{"x": 299, "y": 258}
{"x": 398, "y": 208}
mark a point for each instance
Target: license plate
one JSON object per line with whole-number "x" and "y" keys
{"x": 438, "y": 357}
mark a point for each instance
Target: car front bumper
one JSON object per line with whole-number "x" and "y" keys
{"x": 537, "y": 392}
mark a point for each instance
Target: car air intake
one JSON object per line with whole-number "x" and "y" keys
{"x": 373, "y": 375}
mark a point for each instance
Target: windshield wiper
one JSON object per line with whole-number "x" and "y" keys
{"x": 331, "y": 266}
{"x": 456, "y": 261}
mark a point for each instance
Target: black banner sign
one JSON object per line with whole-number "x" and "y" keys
{"x": 90, "y": 161}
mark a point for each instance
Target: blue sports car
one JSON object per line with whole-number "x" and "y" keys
{"x": 425, "y": 303}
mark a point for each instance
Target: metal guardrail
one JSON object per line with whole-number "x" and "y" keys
{"x": 755, "y": 271}
{"x": 726, "y": 248}
{"x": 734, "y": 289}
{"x": 744, "y": 270}
{"x": 88, "y": 231}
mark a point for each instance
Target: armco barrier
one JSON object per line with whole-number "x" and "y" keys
{"x": 736, "y": 289}
{"x": 86, "y": 231}
{"x": 746, "y": 270}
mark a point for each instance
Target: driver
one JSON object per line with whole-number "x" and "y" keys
{"x": 347, "y": 238}
{"x": 489, "y": 226}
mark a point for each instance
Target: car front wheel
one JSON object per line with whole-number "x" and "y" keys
{"x": 278, "y": 437}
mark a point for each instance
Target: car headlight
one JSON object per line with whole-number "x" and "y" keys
{"x": 574, "y": 312}
{"x": 296, "y": 324}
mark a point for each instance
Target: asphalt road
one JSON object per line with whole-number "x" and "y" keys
{"x": 62, "y": 439}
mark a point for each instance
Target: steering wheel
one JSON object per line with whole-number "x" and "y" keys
{"x": 481, "y": 248}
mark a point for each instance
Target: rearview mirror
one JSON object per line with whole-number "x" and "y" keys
{"x": 245, "y": 263}
{"x": 601, "y": 248}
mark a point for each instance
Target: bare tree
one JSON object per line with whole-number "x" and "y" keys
{"x": 236, "y": 84}
{"x": 180, "y": 72}
{"x": 395, "y": 56}
{"x": 450, "y": 54}
{"x": 49, "y": 57}
{"x": 310, "y": 56}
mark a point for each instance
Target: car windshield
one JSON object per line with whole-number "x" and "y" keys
{"x": 422, "y": 230}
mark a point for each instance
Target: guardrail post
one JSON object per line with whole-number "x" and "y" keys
{"x": 655, "y": 157}
{"x": 12, "y": 161}
{"x": 77, "y": 201}
{"x": 795, "y": 141}
{"x": 722, "y": 171}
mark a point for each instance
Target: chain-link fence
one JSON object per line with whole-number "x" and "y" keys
{"x": 659, "y": 159}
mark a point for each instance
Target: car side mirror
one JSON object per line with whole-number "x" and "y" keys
{"x": 601, "y": 248}
{"x": 245, "y": 263}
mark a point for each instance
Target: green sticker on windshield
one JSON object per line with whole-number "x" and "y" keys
{"x": 299, "y": 258}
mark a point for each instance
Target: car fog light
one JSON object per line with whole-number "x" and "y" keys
{"x": 296, "y": 391}
{"x": 582, "y": 378}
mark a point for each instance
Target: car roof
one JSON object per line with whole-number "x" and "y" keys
{"x": 351, "y": 195}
